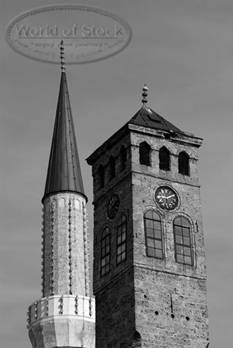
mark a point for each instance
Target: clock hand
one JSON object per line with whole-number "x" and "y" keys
{"x": 170, "y": 196}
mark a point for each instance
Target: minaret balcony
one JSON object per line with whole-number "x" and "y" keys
{"x": 56, "y": 306}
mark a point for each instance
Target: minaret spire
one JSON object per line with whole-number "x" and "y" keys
{"x": 64, "y": 171}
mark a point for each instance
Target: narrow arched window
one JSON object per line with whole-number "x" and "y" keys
{"x": 121, "y": 240}
{"x": 144, "y": 153}
{"x": 164, "y": 159}
{"x": 105, "y": 258}
{"x": 123, "y": 157}
{"x": 112, "y": 167}
{"x": 153, "y": 234}
{"x": 101, "y": 175}
{"x": 183, "y": 163}
{"x": 182, "y": 240}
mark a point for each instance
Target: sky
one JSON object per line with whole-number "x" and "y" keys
{"x": 183, "y": 50}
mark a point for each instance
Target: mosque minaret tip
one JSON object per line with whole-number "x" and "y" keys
{"x": 65, "y": 315}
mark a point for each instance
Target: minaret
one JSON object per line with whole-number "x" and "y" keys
{"x": 65, "y": 315}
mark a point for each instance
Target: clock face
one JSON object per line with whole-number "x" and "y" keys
{"x": 166, "y": 198}
{"x": 113, "y": 205}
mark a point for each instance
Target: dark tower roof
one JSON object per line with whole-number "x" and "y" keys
{"x": 64, "y": 172}
{"x": 146, "y": 117}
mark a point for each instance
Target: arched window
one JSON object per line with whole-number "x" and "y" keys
{"x": 182, "y": 240}
{"x": 112, "y": 165}
{"x": 164, "y": 158}
{"x": 183, "y": 163}
{"x": 105, "y": 258}
{"x": 123, "y": 157}
{"x": 121, "y": 240}
{"x": 144, "y": 153}
{"x": 101, "y": 174}
{"x": 153, "y": 233}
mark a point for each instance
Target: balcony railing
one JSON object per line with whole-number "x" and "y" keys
{"x": 60, "y": 306}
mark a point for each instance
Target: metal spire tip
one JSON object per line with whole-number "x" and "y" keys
{"x": 144, "y": 94}
{"x": 62, "y": 56}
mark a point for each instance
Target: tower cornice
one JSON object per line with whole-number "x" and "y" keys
{"x": 184, "y": 138}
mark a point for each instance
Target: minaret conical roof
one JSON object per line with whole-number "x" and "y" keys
{"x": 64, "y": 171}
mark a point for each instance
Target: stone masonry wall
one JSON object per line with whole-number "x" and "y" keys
{"x": 115, "y": 315}
{"x": 123, "y": 190}
{"x": 170, "y": 298}
{"x": 171, "y": 310}
{"x": 121, "y": 186}
{"x": 114, "y": 292}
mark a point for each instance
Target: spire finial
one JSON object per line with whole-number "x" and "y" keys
{"x": 144, "y": 94}
{"x": 62, "y": 56}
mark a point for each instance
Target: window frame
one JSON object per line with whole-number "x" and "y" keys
{"x": 145, "y": 158}
{"x": 154, "y": 238}
{"x": 165, "y": 162}
{"x": 105, "y": 252}
{"x": 112, "y": 168}
{"x": 122, "y": 228}
{"x": 184, "y": 163}
{"x": 101, "y": 176}
{"x": 183, "y": 246}
{"x": 123, "y": 158}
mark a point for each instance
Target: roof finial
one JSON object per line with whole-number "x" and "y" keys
{"x": 144, "y": 94}
{"x": 63, "y": 69}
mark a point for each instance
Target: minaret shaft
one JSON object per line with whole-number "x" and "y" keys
{"x": 65, "y": 263}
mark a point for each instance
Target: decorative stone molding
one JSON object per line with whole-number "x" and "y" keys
{"x": 56, "y": 306}
{"x": 86, "y": 251}
{"x": 43, "y": 251}
{"x": 52, "y": 220}
{"x": 70, "y": 243}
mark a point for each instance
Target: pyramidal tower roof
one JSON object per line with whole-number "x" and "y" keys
{"x": 146, "y": 117}
{"x": 64, "y": 171}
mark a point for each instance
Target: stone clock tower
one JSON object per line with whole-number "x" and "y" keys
{"x": 149, "y": 254}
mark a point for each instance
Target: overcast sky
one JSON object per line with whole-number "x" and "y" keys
{"x": 183, "y": 50}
